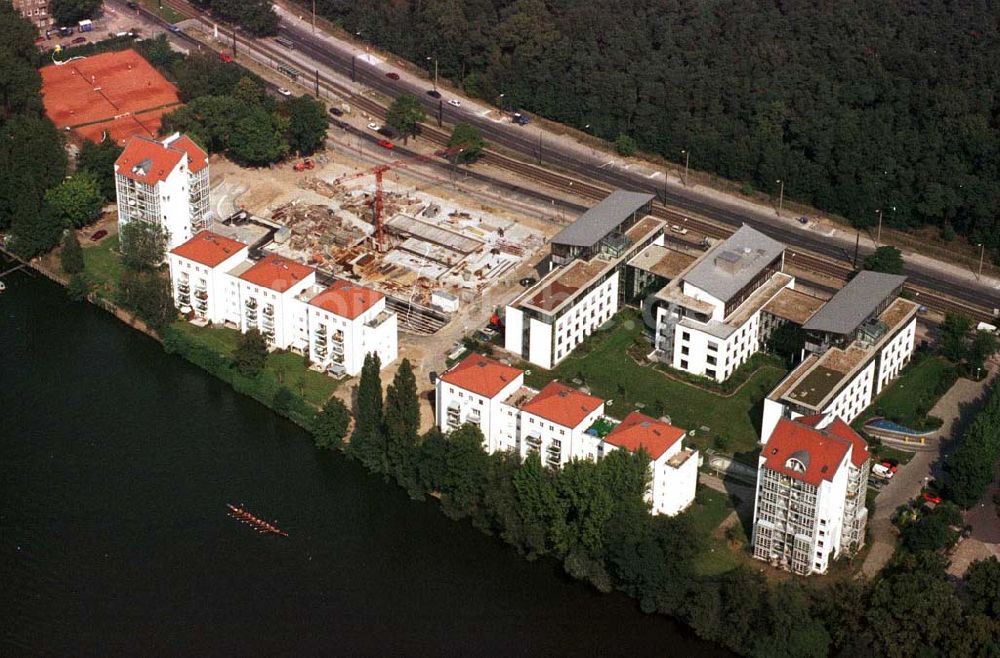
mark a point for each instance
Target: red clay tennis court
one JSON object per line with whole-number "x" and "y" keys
{"x": 118, "y": 92}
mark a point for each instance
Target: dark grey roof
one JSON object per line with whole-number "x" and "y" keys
{"x": 734, "y": 262}
{"x": 854, "y": 303}
{"x": 591, "y": 226}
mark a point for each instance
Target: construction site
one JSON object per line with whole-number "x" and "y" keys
{"x": 429, "y": 249}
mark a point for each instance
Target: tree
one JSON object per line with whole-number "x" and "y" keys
{"x": 143, "y": 245}
{"x": 405, "y": 115}
{"x": 331, "y": 423}
{"x": 69, "y": 12}
{"x": 257, "y": 16}
{"x": 20, "y": 84}
{"x": 307, "y": 124}
{"x": 792, "y": 630}
{"x": 258, "y": 138}
{"x": 538, "y": 504}
{"x": 34, "y": 230}
{"x": 982, "y": 585}
{"x": 283, "y": 400}
{"x": 99, "y": 159}
{"x": 77, "y": 201}
{"x": 199, "y": 75}
{"x": 78, "y": 287}
{"x": 32, "y": 159}
{"x": 973, "y": 463}
{"x": 982, "y": 347}
{"x": 468, "y": 140}
{"x": 932, "y": 531}
{"x": 464, "y": 472}
{"x": 788, "y": 341}
{"x": 251, "y": 353}
{"x": 625, "y": 145}
{"x": 368, "y": 442}
{"x": 953, "y": 335}
{"x": 885, "y": 259}
{"x": 157, "y": 51}
{"x": 71, "y": 256}
{"x": 402, "y": 425}
{"x": 148, "y": 295}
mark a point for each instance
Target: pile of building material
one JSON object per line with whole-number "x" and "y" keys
{"x": 319, "y": 227}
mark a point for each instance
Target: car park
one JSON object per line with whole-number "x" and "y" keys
{"x": 336, "y": 111}
{"x": 434, "y": 93}
{"x": 455, "y": 102}
{"x": 392, "y": 75}
{"x": 284, "y": 92}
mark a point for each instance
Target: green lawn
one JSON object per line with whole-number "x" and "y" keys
{"x": 103, "y": 265}
{"x": 166, "y": 13}
{"x": 909, "y": 399}
{"x": 710, "y": 508}
{"x": 284, "y": 368}
{"x": 602, "y": 364}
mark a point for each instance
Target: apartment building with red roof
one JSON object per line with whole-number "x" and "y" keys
{"x": 476, "y": 390}
{"x": 199, "y": 276}
{"x": 164, "y": 184}
{"x": 810, "y": 505}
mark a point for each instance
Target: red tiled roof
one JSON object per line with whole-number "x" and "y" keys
{"x": 640, "y": 431}
{"x": 208, "y": 248}
{"x": 840, "y": 429}
{"x": 147, "y": 161}
{"x": 277, "y": 273}
{"x": 562, "y": 404}
{"x": 346, "y": 299}
{"x": 481, "y": 375}
{"x": 819, "y": 452}
{"x": 197, "y": 158}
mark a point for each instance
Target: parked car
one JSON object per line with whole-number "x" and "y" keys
{"x": 528, "y": 281}
{"x": 890, "y": 464}
{"x": 225, "y": 58}
{"x": 374, "y": 126}
{"x": 392, "y": 75}
{"x": 803, "y": 220}
{"x": 284, "y": 92}
{"x": 931, "y": 498}
{"x": 433, "y": 376}
{"x": 174, "y": 29}
{"x": 520, "y": 119}
{"x": 677, "y": 228}
{"x": 98, "y": 235}
{"x": 79, "y": 40}
{"x": 455, "y": 102}
{"x": 336, "y": 111}
{"x": 434, "y": 93}
{"x": 882, "y": 471}
{"x": 386, "y": 144}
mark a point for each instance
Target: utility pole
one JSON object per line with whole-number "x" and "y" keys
{"x": 440, "y": 112}
{"x": 539, "y": 146}
{"x": 317, "y": 83}
{"x": 234, "y": 42}
{"x": 354, "y": 68}
{"x": 982, "y": 253}
{"x": 878, "y": 235}
{"x": 687, "y": 161}
{"x": 857, "y": 244}
{"x": 314, "y": 17}
{"x": 781, "y": 195}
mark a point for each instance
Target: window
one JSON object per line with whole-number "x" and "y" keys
{"x": 710, "y": 374}
{"x": 685, "y": 350}
{"x": 684, "y": 364}
{"x": 711, "y": 360}
{"x": 713, "y": 346}
{"x": 685, "y": 335}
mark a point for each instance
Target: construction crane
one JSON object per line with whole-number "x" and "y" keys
{"x": 378, "y": 171}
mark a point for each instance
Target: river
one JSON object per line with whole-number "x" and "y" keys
{"x": 116, "y": 463}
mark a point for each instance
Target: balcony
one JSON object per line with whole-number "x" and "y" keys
{"x": 268, "y": 311}
{"x": 251, "y": 304}
{"x": 320, "y": 330}
{"x": 201, "y": 294}
{"x": 183, "y": 287}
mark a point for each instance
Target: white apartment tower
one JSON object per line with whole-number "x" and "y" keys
{"x": 810, "y": 503}
{"x": 165, "y": 184}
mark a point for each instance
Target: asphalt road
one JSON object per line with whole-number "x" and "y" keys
{"x": 524, "y": 141}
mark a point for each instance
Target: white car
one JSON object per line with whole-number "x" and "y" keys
{"x": 455, "y": 102}
{"x": 284, "y": 92}
{"x": 374, "y": 126}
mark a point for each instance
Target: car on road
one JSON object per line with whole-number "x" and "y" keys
{"x": 374, "y": 126}
{"x": 79, "y": 40}
{"x": 520, "y": 119}
{"x": 528, "y": 281}
{"x": 284, "y": 92}
{"x": 174, "y": 29}
{"x": 336, "y": 111}
{"x": 455, "y": 102}
{"x": 386, "y": 144}
{"x": 98, "y": 235}
{"x": 434, "y": 93}
{"x": 392, "y": 75}
{"x": 803, "y": 220}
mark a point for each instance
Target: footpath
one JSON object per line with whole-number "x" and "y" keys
{"x": 911, "y": 478}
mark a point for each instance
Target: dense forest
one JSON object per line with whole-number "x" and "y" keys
{"x": 857, "y": 106}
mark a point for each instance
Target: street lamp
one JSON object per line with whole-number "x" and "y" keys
{"x": 982, "y": 253}
{"x": 781, "y": 195}
{"x": 500, "y": 104}
{"x": 314, "y": 16}
{"x": 878, "y": 235}
{"x": 687, "y": 161}
{"x": 435, "y": 71}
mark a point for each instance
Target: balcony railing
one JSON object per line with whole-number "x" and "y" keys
{"x": 268, "y": 311}
{"x": 251, "y": 303}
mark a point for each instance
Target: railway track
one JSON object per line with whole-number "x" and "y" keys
{"x": 563, "y": 182}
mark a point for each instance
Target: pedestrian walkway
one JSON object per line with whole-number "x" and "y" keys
{"x": 911, "y": 478}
